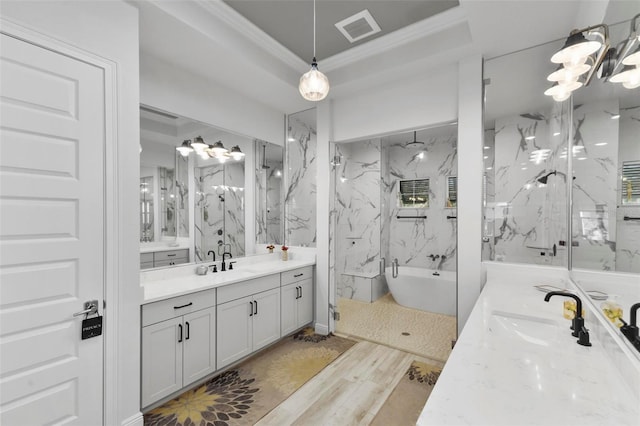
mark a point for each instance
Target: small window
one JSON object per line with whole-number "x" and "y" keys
{"x": 631, "y": 182}
{"x": 413, "y": 193}
{"x": 452, "y": 192}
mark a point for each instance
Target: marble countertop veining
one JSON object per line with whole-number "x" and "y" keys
{"x": 530, "y": 373}
{"x": 167, "y": 283}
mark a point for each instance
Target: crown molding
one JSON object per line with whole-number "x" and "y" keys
{"x": 245, "y": 28}
{"x": 397, "y": 38}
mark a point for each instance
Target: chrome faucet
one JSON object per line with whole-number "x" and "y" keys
{"x": 434, "y": 256}
{"x": 224, "y": 257}
{"x": 577, "y": 323}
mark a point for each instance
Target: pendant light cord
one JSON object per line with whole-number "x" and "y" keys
{"x": 314, "y": 30}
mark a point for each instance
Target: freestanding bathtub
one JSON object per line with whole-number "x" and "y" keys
{"x": 424, "y": 289}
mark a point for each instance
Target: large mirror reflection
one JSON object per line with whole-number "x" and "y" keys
{"x": 195, "y": 180}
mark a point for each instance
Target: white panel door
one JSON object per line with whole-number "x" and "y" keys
{"x": 234, "y": 330}
{"x": 266, "y": 319}
{"x": 161, "y": 359}
{"x": 199, "y": 346}
{"x": 52, "y": 143}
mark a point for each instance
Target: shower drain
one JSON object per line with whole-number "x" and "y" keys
{"x": 404, "y": 333}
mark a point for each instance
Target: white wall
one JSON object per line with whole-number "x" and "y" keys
{"x": 428, "y": 98}
{"x": 172, "y": 89}
{"x": 109, "y": 29}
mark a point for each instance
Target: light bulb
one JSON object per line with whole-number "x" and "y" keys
{"x": 569, "y": 74}
{"x": 575, "y": 50}
{"x": 314, "y": 85}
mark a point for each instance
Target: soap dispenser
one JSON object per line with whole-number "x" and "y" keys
{"x": 612, "y": 310}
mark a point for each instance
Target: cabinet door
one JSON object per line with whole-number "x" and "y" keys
{"x": 266, "y": 321}
{"x": 234, "y": 330}
{"x": 199, "y": 345}
{"x": 161, "y": 359}
{"x": 305, "y": 303}
{"x": 288, "y": 316}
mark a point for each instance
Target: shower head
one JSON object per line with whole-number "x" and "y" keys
{"x": 543, "y": 179}
{"x": 414, "y": 142}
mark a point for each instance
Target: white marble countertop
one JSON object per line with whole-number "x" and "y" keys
{"x": 163, "y": 246}
{"x": 516, "y": 363}
{"x": 171, "y": 282}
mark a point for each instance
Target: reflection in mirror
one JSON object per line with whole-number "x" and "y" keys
{"x": 452, "y": 192}
{"x": 146, "y": 209}
{"x": 606, "y": 154}
{"x": 219, "y": 210}
{"x": 269, "y": 195}
{"x": 525, "y": 161}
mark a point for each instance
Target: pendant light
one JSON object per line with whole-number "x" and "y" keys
{"x": 314, "y": 85}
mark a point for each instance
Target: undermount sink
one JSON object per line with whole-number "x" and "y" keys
{"x": 525, "y": 328}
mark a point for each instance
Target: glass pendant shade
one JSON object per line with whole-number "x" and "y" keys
{"x": 576, "y": 47}
{"x": 314, "y": 85}
{"x": 236, "y": 153}
{"x": 218, "y": 149}
{"x": 629, "y": 75}
{"x": 632, "y": 59}
{"x": 198, "y": 144}
{"x": 184, "y": 149}
{"x": 568, "y": 74}
{"x": 561, "y": 92}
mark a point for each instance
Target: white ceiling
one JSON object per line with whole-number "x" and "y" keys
{"x": 211, "y": 39}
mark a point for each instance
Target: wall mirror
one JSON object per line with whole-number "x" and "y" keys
{"x": 197, "y": 201}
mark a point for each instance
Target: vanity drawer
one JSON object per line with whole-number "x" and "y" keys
{"x": 247, "y": 288}
{"x": 296, "y": 275}
{"x": 170, "y": 262}
{"x": 170, "y": 255}
{"x": 146, "y": 257}
{"x": 177, "y": 306}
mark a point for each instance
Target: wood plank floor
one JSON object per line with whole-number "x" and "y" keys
{"x": 349, "y": 391}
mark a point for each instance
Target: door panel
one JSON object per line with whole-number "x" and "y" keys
{"x": 234, "y": 331}
{"x": 266, "y": 323}
{"x": 305, "y": 303}
{"x": 52, "y": 144}
{"x": 161, "y": 359}
{"x": 289, "y": 305}
{"x": 199, "y": 345}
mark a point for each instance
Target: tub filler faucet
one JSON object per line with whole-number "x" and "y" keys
{"x": 394, "y": 268}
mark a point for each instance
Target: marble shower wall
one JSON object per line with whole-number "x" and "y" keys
{"x": 182, "y": 195}
{"x": 357, "y": 219}
{"x": 529, "y": 217}
{"x": 411, "y": 241}
{"x": 300, "y": 194}
{"x": 268, "y": 200}
{"x": 219, "y": 209}
{"x": 595, "y": 185}
{"x": 628, "y": 240}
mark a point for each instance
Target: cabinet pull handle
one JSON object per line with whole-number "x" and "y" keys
{"x": 297, "y": 293}
{"x": 250, "y": 309}
{"x": 180, "y": 338}
{"x": 300, "y": 292}
{"x": 171, "y": 255}
{"x": 183, "y": 306}
{"x": 187, "y": 335}
{"x": 256, "y": 312}
{"x": 297, "y": 275}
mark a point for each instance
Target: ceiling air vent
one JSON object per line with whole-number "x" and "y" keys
{"x": 359, "y": 26}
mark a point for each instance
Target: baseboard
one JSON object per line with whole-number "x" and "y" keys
{"x": 135, "y": 420}
{"x": 321, "y": 329}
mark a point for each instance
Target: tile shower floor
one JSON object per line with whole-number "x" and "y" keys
{"x": 386, "y": 322}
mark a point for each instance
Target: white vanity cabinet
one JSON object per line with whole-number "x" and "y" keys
{"x": 163, "y": 258}
{"x": 296, "y": 299}
{"x": 248, "y": 318}
{"x": 178, "y": 343}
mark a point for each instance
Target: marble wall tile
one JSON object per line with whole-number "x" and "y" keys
{"x": 529, "y": 216}
{"x": 269, "y": 202}
{"x": 182, "y": 195}
{"x": 300, "y": 194}
{"x": 628, "y": 232}
{"x": 234, "y": 208}
{"x": 595, "y": 186}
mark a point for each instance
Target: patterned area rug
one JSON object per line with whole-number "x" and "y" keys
{"x": 407, "y": 400}
{"x": 243, "y": 395}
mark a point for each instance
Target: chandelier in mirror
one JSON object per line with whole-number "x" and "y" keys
{"x": 205, "y": 151}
